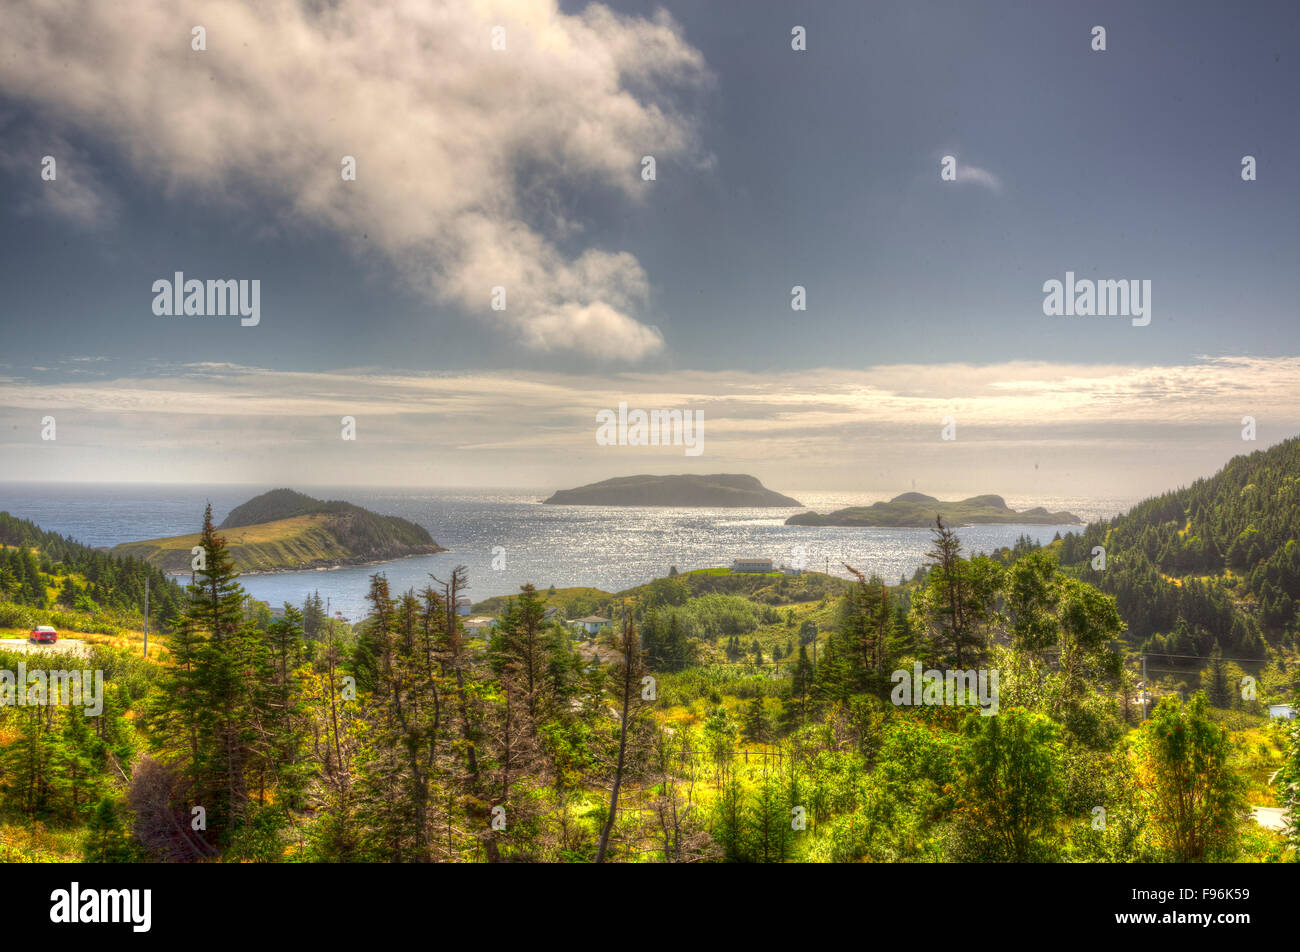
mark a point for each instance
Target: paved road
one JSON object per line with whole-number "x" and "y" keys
{"x": 1272, "y": 818}
{"x": 73, "y": 646}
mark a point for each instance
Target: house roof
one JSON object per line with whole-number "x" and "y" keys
{"x": 592, "y": 620}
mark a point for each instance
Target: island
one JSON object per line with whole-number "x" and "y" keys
{"x": 917, "y": 510}
{"x": 718, "y": 490}
{"x": 288, "y": 531}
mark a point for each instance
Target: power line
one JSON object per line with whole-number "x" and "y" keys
{"x": 1165, "y": 654}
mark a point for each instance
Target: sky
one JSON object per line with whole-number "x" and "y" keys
{"x": 522, "y": 167}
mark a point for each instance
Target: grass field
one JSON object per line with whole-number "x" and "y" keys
{"x": 285, "y": 543}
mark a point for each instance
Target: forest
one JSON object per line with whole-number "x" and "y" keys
{"x": 93, "y": 591}
{"x": 718, "y": 718}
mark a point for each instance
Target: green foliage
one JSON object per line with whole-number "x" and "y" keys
{"x": 1289, "y": 780}
{"x": 1168, "y": 559}
{"x": 254, "y": 717}
{"x": 108, "y": 834}
{"x": 1192, "y": 797}
{"x": 220, "y": 711}
{"x": 1010, "y": 788}
{"x": 110, "y": 584}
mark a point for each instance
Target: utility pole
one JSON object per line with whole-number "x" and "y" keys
{"x": 146, "y": 618}
{"x": 1144, "y": 687}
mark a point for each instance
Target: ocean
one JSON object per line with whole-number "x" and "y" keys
{"x": 610, "y": 548}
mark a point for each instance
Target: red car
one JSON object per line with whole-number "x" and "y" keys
{"x": 43, "y": 634}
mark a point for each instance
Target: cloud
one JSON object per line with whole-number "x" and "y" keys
{"x": 1109, "y": 427}
{"x": 76, "y": 194}
{"x": 1017, "y": 395}
{"x": 978, "y": 176}
{"x": 463, "y": 153}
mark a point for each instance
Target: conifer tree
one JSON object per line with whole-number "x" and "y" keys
{"x": 1218, "y": 689}
{"x": 625, "y": 685}
{"x": 756, "y": 724}
{"x": 209, "y": 699}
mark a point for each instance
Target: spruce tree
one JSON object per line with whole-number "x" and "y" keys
{"x": 1218, "y": 689}
{"x": 207, "y": 708}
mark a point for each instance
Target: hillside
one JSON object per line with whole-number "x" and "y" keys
{"x": 279, "y": 504}
{"x": 917, "y": 510}
{"x": 1217, "y": 561}
{"x": 572, "y": 602}
{"x": 779, "y": 590}
{"x": 719, "y": 489}
{"x": 283, "y": 530}
{"x": 42, "y": 572}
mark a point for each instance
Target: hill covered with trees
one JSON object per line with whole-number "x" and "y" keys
{"x": 43, "y": 572}
{"x": 286, "y": 530}
{"x": 1216, "y": 562}
{"x": 718, "y": 489}
{"x": 917, "y": 510}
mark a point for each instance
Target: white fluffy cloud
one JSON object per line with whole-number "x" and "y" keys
{"x": 463, "y": 152}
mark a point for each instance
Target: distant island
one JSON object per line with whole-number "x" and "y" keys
{"x": 917, "y": 510}
{"x": 719, "y": 489}
{"x": 283, "y": 530}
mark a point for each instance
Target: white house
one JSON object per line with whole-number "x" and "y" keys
{"x": 751, "y": 565}
{"x": 593, "y": 623}
{"x": 1285, "y": 712}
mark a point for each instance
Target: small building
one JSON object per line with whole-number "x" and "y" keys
{"x": 751, "y": 565}
{"x": 463, "y": 604}
{"x": 552, "y": 614}
{"x": 1284, "y": 712}
{"x": 593, "y": 623}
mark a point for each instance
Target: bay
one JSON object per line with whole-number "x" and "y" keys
{"x": 610, "y": 548}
